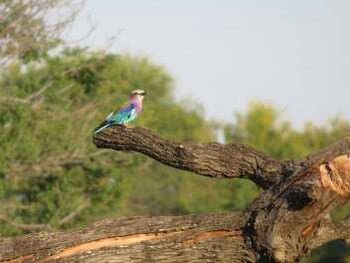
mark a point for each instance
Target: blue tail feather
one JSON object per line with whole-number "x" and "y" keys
{"x": 103, "y": 127}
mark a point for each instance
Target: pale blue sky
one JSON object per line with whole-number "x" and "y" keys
{"x": 224, "y": 53}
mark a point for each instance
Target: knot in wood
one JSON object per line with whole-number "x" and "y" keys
{"x": 335, "y": 175}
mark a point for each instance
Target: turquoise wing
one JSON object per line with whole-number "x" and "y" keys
{"x": 124, "y": 115}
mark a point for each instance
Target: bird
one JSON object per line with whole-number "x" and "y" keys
{"x": 126, "y": 114}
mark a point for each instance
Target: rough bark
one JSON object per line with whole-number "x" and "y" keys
{"x": 290, "y": 217}
{"x": 194, "y": 238}
{"x": 208, "y": 159}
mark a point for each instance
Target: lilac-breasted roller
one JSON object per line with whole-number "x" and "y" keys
{"x": 126, "y": 114}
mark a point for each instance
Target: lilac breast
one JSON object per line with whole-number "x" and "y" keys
{"x": 138, "y": 105}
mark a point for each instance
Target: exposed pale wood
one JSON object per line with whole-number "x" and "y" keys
{"x": 194, "y": 238}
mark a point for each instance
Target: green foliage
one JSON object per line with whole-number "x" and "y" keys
{"x": 49, "y": 167}
{"x": 264, "y": 128}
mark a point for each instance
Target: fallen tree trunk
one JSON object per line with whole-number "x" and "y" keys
{"x": 290, "y": 217}
{"x": 194, "y": 238}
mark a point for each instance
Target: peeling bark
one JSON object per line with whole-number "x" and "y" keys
{"x": 285, "y": 222}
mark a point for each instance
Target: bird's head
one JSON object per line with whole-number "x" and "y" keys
{"x": 137, "y": 94}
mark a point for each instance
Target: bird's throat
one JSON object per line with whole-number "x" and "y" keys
{"x": 137, "y": 102}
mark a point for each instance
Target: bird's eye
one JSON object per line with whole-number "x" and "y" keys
{"x": 328, "y": 168}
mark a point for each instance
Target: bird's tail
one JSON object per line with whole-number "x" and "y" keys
{"x": 103, "y": 127}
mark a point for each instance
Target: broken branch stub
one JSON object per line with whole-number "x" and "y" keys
{"x": 292, "y": 217}
{"x": 335, "y": 175}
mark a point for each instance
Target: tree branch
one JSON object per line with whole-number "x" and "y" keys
{"x": 292, "y": 217}
{"x": 194, "y": 238}
{"x": 207, "y": 159}
{"x": 282, "y": 225}
{"x": 69, "y": 218}
{"x": 25, "y": 227}
{"x": 287, "y": 220}
{"x": 48, "y": 164}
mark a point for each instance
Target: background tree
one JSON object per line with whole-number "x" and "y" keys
{"x": 28, "y": 29}
{"x": 72, "y": 92}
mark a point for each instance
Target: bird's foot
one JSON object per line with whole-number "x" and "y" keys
{"x": 129, "y": 126}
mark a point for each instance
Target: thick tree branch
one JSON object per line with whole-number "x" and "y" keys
{"x": 288, "y": 219}
{"x": 292, "y": 217}
{"x": 195, "y": 238}
{"x": 208, "y": 159}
